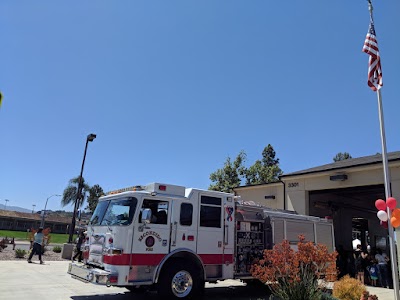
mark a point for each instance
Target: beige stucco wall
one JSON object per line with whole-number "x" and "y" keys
{"x": 297, "y": 187}
{"x": 257, "y": 194}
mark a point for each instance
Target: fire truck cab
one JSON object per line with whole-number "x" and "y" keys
{"x": 175, "y": 239}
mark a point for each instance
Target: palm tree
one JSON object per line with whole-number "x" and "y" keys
{"x": 70, "y": 192}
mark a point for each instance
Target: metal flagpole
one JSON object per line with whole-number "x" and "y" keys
{"x": 386, "y": 174}
{"x": 375, "y": 83}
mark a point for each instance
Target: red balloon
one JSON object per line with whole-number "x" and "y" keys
{"x": 391, "y": 202}
{"x": 380, "y": 204}
{"x": 384, "y": 224}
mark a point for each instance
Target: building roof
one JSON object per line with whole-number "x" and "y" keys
{"x": 347, "y": 163}
{"x": 37, "y": 217}
{"x": 339, "y": 165}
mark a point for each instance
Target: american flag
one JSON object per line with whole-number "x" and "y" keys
{"x": 374, "y": 65}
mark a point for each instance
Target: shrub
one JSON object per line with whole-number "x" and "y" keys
{"x": 326, "y": 296}
{"x": 3, "y": 244}
{"x": 20, "y": 253}
{"x": 57, "y": 249}
{"x": 348, "y": 288}
{"x": 294, "y": 274}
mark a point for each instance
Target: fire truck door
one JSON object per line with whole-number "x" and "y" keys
{"x": 153, "y": 241}
{"x": 184, "y": 226}
{"x": 210, "y": 242}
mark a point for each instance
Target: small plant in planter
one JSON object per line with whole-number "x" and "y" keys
{"x": 366, "y": 296}
{"x": 57, "y": 249}
{"x": 20, "y": 253}
{"x": 350, "y": 289}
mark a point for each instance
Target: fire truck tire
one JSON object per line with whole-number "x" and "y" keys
{"x": 180, "y": 281}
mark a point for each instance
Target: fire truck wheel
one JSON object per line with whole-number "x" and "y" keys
{"x": 180, "y": 281}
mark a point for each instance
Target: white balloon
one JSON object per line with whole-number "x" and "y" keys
{"x": 382, "y": 215}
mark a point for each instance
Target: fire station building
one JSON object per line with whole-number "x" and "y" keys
{"x": 344, "y": 191}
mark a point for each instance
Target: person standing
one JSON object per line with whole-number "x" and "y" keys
{"x": 80, "y": 240}
{"x": 360, "y": 257}
{"x": 373, "y": 273}
{"x": 382, "y": 261}
{"x": 37, "y": 245}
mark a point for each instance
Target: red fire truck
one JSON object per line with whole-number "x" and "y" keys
{"x": 174, "y": 239}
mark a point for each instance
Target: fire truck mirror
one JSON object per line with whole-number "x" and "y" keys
{"x": 146, "y": 216}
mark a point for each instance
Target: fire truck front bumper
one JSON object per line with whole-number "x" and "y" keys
{"x": 93, "y": 275}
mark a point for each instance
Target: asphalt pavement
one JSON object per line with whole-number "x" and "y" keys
{"x": 20, "y": 280}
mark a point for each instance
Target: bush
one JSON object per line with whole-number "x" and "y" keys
{"x": 57, "y": 249}
{"x": 348, "y": 288}
{"x": 294, "y": 274}
{"x": 326, "y": 296}
{"x": 20, "y": 253}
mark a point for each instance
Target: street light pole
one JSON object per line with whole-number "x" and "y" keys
{"x": 33, "y": 208}
{"x": 89, "y": 138}
{"x": 5, "y": 207}
{"x": 44, "y": 211}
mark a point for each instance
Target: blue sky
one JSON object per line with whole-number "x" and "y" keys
{"x": 172, "y": 88}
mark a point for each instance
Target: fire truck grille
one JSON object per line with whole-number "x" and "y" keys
{"x": 96, "y": 250}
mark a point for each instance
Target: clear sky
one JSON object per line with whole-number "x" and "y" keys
{"x": 172, "y": 88}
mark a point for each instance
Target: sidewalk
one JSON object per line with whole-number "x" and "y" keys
{"x": 382, "y": 293}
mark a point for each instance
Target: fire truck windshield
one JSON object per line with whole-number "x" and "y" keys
{"x": 114, "y": 212}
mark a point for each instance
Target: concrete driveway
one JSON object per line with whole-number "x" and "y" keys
{"x": 20, "y": 280}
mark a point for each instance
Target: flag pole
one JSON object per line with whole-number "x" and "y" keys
{"x": 393, "y": 258}
{"x": 375, "y": 83}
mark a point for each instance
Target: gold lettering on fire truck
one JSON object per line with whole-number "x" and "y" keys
{"x": 150, "y": 233}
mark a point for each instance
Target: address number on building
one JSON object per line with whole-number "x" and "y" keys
{"x": 293, "y": 184}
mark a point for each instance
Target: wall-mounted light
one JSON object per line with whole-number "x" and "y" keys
{"x": 339, "y": 177}
{"x": 269, "y": 197}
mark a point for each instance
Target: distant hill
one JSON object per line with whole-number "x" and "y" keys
{"x": 62, "y": 213}
{"x": 15, "y": 208}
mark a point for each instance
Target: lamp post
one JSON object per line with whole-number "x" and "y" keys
{"x": 89, "y": 138}
{"x": 33, "y": 208}
{"x": 44, "y": 211}
{"x": 5, "y": 207}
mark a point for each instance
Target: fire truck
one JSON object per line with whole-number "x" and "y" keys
{"x": 174, "y": 239}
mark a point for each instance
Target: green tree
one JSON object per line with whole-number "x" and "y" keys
{"x": 341, "y": 156}
{"x": 230, "y": 176}
{"x": 265, "y": 170}
{"x": 70, "y": 192}
{"x": 95, "y": 192}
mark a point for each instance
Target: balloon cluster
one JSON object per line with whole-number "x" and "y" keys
{"x": 382, "y": 206}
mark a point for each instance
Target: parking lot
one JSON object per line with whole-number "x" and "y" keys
{"x": 20, "y": 280}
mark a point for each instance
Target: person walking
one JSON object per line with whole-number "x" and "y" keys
{"x": 80, "y": 240}
{"x": 37, "y": 245}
